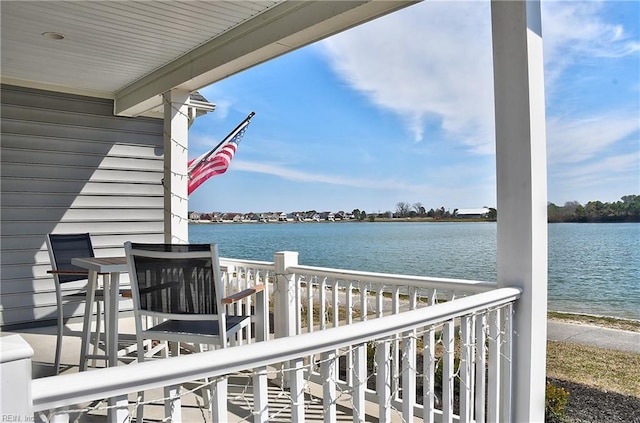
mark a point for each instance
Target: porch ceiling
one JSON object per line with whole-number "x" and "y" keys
{"x": 134, "y": 51}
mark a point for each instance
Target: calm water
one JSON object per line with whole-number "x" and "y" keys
{"x": 593, "y": 268}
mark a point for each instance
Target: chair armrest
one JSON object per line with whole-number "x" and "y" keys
{"x": 72, "y": 272}
{"x": 68, "y": 272}
{"x": 242, "y": 294}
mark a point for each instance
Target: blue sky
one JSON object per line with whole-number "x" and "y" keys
{"x": 401, "y": 110}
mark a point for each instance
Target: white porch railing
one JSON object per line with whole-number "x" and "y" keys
{"x": 433, "y": 348}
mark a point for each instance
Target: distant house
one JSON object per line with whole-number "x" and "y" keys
{"x": 195, "y": 216}
{"x": 329, "y": 216}
{"x": 311, "y": 217}
{"x": 473, "y": 213}
{"x": 251, "y": 217}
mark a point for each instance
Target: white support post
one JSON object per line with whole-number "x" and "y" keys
{"x": 522, "y": 192}
{"x": 285, "y": 303}
{"x": 176, "y": 149}
{"x": 15, "y": 367}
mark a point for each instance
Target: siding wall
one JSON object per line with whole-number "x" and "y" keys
{"x": 68, "y": 165}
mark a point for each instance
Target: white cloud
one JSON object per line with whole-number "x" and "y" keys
{"x": 574, "y": 141}
{"x": 455, "y": 194}
{"x": 300, "y": 176}
{"x": 430, "y": 64}
{"x": 612, "y": 166}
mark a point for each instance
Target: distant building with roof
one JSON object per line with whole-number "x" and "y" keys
{"x": 473, "y": 213}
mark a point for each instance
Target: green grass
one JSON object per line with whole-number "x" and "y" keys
{"x": 607, "y": 370}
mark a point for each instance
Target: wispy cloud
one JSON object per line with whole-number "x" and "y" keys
{"x": 577, "y": 140}
{"x": 300, "y": 176}
{"x": 614, "y": 164}
{"x": 576, "y": 31}
{"x": 604, "y": 172}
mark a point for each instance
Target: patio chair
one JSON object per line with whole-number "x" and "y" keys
{"x": 181, "y": 285}
{"x": 62, "y": 248}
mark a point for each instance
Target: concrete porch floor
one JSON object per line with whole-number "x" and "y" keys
{"x": 240, "y": 391}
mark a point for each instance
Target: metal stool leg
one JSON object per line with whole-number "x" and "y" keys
{"x": 96, "y": 340}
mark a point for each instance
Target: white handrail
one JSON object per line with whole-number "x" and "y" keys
{"x": 396, "y": 279}
{"x": 64, "y": 390}
{"x": 249, "y": 263}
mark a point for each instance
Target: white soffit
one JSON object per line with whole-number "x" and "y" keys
{"x": 132, "y": 51}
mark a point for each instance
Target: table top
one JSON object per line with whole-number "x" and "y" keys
{"x": 102, "y": 264}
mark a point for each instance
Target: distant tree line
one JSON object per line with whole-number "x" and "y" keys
{"x": 626, "y": 210}
{"x": 404, "y": 210}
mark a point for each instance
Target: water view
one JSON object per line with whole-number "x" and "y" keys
{"x": 593, "y": 268}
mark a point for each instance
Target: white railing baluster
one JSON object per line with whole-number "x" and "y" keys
{"x": 219, "y": 399}
{"x": 329, "y": 374}
{"x": 379, "y": 302}
{"x": 173, "y": 404}
{"x": 428, "y": 375}
{"x": 408, "y": 375}
{"x": 298, "y": 300}
{"x": 466, "y": 362}
{"x": 481, "y": 368}
{"x": 349, "y": 320}
{"x": 297, "y": 390}
{"x": 360, "y": 373}
{"x": 395, "y": 300}
{"x": 507, "y": 356}
{"x": 364, "y": 301}
{"x": 323, "y": 304}
{"x": 261, "y": 395}
{"x": 336, "y": 302}
{"x": 472, "y": 365}
{"x": 310, "y": 283}
{"x": 493, "y": 397}
{"x": 383, "y": 379}
{"x": 395, "y": 348}
{"x": 448, "y": 370}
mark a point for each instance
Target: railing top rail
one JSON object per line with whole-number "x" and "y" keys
{"x": 396, "y": 279}
{"x": 63, "y": 390}
{"x": 249, "y": 263}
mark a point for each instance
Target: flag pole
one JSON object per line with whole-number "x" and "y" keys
{"x": 232, "y": 134}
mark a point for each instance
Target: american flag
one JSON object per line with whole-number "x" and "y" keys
{"x": 216, "y": 161}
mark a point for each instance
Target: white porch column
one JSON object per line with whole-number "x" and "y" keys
{"x": 522, "y": 193}
{"x": 176, "y": 143}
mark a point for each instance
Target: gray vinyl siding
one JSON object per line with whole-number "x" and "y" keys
{"x": 68, "y": 165}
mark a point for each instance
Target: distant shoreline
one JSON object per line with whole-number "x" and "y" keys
{"x": 378, "y": 219}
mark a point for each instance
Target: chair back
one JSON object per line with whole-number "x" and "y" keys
{"x": 176, "y": 279}
{"x": 62, "y": 248}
